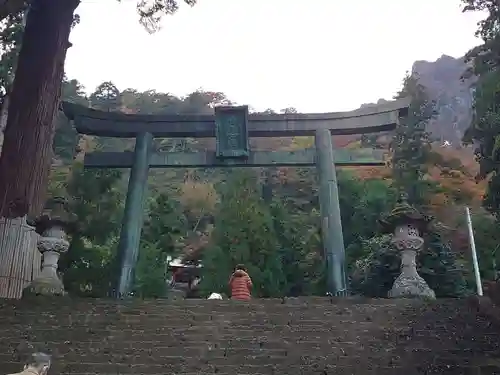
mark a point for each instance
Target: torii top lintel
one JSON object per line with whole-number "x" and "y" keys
{"x": 370, "y": 119}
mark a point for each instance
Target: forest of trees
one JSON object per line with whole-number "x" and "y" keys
{"x": 197, "y": 214}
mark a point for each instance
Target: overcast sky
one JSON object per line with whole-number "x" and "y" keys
{"x": 328, "y": 55}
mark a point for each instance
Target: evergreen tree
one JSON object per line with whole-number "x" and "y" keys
{"x": 96, "y": 201}
{"x": 162, "y": 236}
{"x": 66, "y": 137}
{"x": 373, "y": 274}
{"x": 411, "y": 145}
{"x": 11, "y": 33}
{"x": 244, "y": 233}
{"x": 300, "y": 250}
{"x": 487, "y": 238}
{"x": 106, "y": 97}
{"x": 150, "y": 279}
{"x": 165, "y": 226}
{"x": 485, "y": 127}
{"x": 439, "y": 267}
{"x": 485, "y": 132}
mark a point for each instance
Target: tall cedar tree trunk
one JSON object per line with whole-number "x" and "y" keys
{"x": 34, "y": 101}
{"x": 4, "y": 110}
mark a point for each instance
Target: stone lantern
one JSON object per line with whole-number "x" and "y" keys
{"x": 52, "y": 226}
{"x": 407, "y": 226}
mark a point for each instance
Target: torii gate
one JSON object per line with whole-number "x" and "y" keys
{"x": 232, "y": 127}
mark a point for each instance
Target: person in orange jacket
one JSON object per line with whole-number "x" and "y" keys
{"x": 240, "y": 284}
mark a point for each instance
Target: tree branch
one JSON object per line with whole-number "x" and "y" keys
{"x": 8, "y": 7}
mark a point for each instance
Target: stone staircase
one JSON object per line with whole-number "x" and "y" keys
{"x": 292, "y": 336}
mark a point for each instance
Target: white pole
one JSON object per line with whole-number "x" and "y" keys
{"x": 474, "y": 253}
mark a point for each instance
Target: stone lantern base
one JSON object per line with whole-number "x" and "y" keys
{"x": 52, "y": 226}
{"x": 411, "y": 286}
{"x": 45, "y": 287}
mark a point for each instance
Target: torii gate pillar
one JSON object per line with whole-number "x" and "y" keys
{"x": 130, "y": 235}
{"x": 331, "y": 223}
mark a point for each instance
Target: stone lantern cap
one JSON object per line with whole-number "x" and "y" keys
{"x": 404, "y": 214}
{"x": 55, "y": 213}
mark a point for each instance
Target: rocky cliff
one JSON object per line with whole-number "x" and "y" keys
{"x": 444, "y": 83}
{"x": 453, "y": 96}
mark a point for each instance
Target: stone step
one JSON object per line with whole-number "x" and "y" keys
{"x": 299, "y": 336}
{"x": 109, "y": 368}
{"x": 317, "y": 368}
{"x": 71, "y": 304}
{"x": 201, "y": 310}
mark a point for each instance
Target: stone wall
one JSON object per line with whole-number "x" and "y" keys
{"x": 293, "y": 336}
